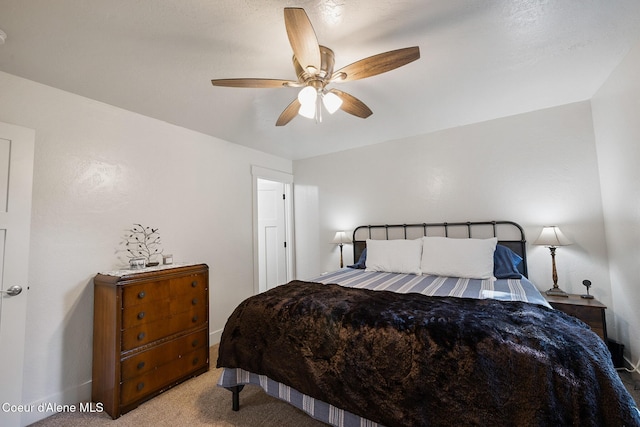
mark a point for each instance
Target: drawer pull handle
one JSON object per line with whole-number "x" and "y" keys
{"x": 194, "y": 343}
{"x": 140, "y": 386}
{"x": 194, "y": 283}
{"x": 194, "y": 301}
{"x": 195, "y": 360}
{"x": 141, "y": 315}
{"x": 194, "y": 318}
{"x": 142, "y": 294}
{"x": 140, "y": 365}
{"x": 141, "y": 336}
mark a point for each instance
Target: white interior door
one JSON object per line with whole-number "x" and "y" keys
{"x": 271, "y": 234}
{"x": 16, "y": 178}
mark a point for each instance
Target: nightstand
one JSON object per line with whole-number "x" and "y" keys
{"x": 590, "y": 311}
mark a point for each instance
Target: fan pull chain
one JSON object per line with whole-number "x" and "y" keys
{"x": 319, "y": 108}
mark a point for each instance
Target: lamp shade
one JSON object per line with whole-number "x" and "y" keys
{"x": 332, "y": 102}
{"x": 307, "y": 95}
{"x": 552, "y": 237}
{"x": 341, "y": 238}
{"x": 307, "y": 110}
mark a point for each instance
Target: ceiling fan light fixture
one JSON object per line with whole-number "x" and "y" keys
{"x": 308, "y": 110}
{"x": 331, "y": 101}
{"x": 307, "y": 96}
{"x": 314, "y": 67}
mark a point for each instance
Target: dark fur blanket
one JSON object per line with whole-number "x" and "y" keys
{"x": 413, "y": 360}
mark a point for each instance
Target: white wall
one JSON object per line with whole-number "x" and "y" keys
{"x": 536, "y": 169}
{"x": 99, "y": 169}
{"x": 617, "y": 130}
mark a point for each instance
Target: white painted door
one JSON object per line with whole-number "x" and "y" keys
{"x": 271, "y": 234}
{"x": 16, "y": 178}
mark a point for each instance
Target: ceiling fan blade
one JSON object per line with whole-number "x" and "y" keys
{"x": 352, "y": 105}
{"x": 377, "y": 64}
{"x": 302, "y": 38}
{"x": 289, "y": 113}
{"x": 252, "y": 83}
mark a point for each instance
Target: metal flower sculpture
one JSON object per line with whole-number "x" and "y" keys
{"x": 143, "y": 242}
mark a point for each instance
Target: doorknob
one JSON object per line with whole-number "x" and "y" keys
{"x": 12, "y": 291}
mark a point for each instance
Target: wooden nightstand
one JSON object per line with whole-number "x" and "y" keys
{"x": 590, "y": 311}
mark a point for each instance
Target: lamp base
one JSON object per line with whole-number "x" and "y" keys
{"x": 557, "y": 292}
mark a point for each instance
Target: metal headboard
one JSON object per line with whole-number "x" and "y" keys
{"x": 509, "y": 234}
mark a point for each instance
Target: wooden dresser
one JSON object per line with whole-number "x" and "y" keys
{"x": 150, "y": 332}
{"x": 590, "y": 311}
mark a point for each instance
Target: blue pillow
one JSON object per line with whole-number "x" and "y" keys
{"x": 505, "y": 263}
{"x": 361, "y": 264}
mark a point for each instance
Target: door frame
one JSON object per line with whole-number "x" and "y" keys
{"x": 258, "y": 172}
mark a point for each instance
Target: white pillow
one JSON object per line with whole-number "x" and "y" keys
{"x": 394, "y": 256}
{"x": 469, "y": 258}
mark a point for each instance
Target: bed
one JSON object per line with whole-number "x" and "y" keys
{"x": 425, "y": 330}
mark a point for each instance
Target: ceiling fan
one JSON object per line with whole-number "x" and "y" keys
{"x": 313, "y": 64}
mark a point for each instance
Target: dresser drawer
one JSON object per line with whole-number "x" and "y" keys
{"x": 153, "y": 310}
{"x": 187, "y": 284}
{"x": 188, "y": 299}
{"x": 136, "y": 315}
{"x": 155, "y": 357}
{"x": 146, "y": 292}
{"x": 152, "y": 331}
{"x": 138, "y": 387}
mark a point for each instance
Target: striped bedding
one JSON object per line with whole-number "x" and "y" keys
{"x": 313, "y": 407}
{"x": 502, "y": 289}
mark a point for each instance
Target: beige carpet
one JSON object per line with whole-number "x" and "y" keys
{"x": 196, "y": 402}
{"x": 200, "y": 402}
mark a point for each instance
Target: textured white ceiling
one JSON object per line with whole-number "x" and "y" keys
{"x": 480, "y": 60}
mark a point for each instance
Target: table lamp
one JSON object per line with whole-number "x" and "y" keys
{"x": 552, "y": 237}
{"x": 340, "y": 239}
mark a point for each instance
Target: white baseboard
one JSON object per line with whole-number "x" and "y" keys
{"x": 67, "y": 400}
{"x": 214, "y": 337}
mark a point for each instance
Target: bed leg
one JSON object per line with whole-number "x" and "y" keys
{"x": 235, "y": 397}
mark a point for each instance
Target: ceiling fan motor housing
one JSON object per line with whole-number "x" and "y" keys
{"x": 327, "y": 60}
